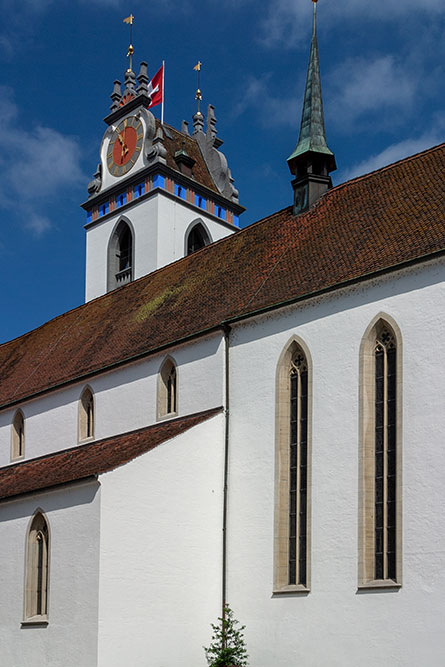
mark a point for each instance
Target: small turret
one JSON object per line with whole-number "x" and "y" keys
{"x": 312, "y": 160}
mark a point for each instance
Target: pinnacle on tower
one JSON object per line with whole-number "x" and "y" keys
{"x": 312, "y": 160}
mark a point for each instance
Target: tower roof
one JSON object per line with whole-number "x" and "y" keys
{"x": 312, "y": 130}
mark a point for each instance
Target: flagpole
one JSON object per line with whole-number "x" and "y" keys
{"x": 163, "y": 92}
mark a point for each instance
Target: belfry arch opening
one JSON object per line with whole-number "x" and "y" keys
{"x": 197, "y": 237}
{"x": 120, "y": 256}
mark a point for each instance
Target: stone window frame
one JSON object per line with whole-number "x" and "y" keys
{"x": 366, "y": 509}
{"x": 36, "y": 589}
{"x": 282, "y": 452}
{"x": 84, "y": 417}
{"x": 112, "y": 255}
{"x": 168, "y": 364}
{"x": 18, "y": 436}
{"x": 207, "y": 237}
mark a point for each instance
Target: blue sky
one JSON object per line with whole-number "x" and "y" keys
{"x": 382, "y": 62}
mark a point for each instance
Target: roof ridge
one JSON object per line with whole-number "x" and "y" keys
{"x": 387, "y": 167}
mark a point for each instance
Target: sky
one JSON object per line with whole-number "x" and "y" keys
{"x": 382, "y": 66}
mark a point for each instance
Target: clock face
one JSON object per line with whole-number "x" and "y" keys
{"x": 125, "y": 146}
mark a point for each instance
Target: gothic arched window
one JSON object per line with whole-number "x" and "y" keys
{"x": 18, "y": 436}
{"x": 37, "y": 561}
{"x": 293, "y": 456}
{"x": 120, "y": 256}
{"x": 167, "y": 389}
{"x": 197, "y": 238}
{"x": 86, "y": 415}
{"x": 380, "y": 459}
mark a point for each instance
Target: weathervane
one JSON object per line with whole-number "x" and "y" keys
{"x": 130, "y": 20}
{"x": 198, "y": 95}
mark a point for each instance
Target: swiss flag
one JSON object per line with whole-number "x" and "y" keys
{"x": 156, "y": 88}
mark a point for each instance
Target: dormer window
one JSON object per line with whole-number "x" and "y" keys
{"x": 120, "y": 256}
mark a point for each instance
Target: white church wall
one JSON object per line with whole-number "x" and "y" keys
{"x": 174, "y": 221}
{"x": 161, "y": 550}
{"x": 143, "y": 217}
{"x": 334, "y": 624}
{"x": 125, "y": 399}
{"x": 70, "y": 638}
{"x": 160, "y": 224}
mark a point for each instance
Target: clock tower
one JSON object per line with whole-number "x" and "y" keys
{"x": 158, "y": 193}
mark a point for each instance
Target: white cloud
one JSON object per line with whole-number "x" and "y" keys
{"x": 36, "y": 164}
{"x": 275, "y": 109}
{"x": 287, "y": 22}
{"x": 362, "y": 85}
{"x": 37, "y": 224}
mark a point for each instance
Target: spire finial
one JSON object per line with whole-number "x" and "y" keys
{"x": 129, "y": 20}
{"x": 198, "y": 95}
{"x": 314, "y": 22}
{"x": 312, "y": 160}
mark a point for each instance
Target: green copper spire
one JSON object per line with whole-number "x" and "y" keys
{"x": 312, "y": 131}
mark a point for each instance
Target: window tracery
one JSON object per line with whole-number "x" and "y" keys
{"x": 36, "y": 594}
{"x": 380, "y": 531}
{"x": 292, "y": 511}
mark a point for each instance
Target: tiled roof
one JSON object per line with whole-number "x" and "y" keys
{"x": 178, "y": 140}
{"x": 369, "y": 224}
{"x": 92, "y": 458}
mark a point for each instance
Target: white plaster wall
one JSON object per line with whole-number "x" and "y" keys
{"x": 161, "y": 549}
{"x": 174, "y": 221}
{"x": 159, "y": 224}
{"x": 70, "y": 638}
{"x": 144, "y": 217}
{"x": 125, "y": 399}
{"x": 335, "y": 625}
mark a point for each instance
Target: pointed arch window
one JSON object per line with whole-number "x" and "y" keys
{"x": 18, "y": 436}
{"x": 37, "y": 562}
{"x": 380, "y": 555}
{"x": 86, "y": 415}
{"x": 293, "y": 456}
{"x": 120, "y": 256}
{"x": 167, "y": 389}
{"x": 197, "y": 238}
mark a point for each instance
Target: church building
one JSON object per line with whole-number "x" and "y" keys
{"x": 234, "y": 416}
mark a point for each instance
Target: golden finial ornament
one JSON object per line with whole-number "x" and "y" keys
{"x": 129, "y": 20}
{"x": 198, "y": 95}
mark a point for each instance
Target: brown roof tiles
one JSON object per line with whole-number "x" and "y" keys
{"x": 93, "y": 458}
{"x": 369, "y": 224}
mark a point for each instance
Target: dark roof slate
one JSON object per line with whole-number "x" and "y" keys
{"x": 369, "y": 224}
{"x": 93, "y": 458}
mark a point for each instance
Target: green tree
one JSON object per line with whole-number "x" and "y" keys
{"x": 228, "y": 647}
